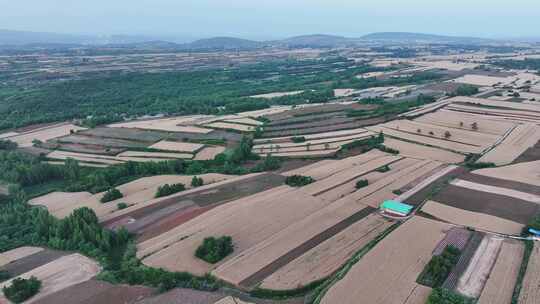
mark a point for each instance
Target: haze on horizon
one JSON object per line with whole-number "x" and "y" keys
{"x": 273, "y": 19}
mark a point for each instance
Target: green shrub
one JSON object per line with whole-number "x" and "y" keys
{"x": 21, "y": 290}
{"x": 4, "y": 276}
{"x": 440, "y": 266}
{"x": 197, "y": 181}
{"x": 534, "y": 223}
{"x": 298, "y": 139}
{"x": 167, "y": 189}
{"x": 213, "y": 250}
{"x": 121, "y": 206}
{"x": 7, "y": 145}
{"x": 111, "y": 195}
{"x": 480, "y": 165}
{"x": 397, "y": 192}
{"x": 445, "y": 296}
{"x": 383, "y": 169}
{"x": 362, "y": 183}
{"x": 298, "y": 180}
{"x": 384, "y": 148}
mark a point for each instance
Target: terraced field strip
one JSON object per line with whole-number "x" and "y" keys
{"x": 155, "y": 155}
{"x": 347, "y": 175}
{"x": 327, "y": 257}
{"x": 329, "y": 167}
{"x": 530, "y": 293}
{"x": 497, "y": 103}
{"x": 306, "y": 154}
{"x": 248, "y": 221}
{"x": 81, "y": 164}
{"x": 209, "y": 153}
{"x": 419, "y": 151}
{"x": 427, "y": 108}
{"x": 497, "y": 190}
{"x": 269, "y": 147}
{"x": 464, "y": 121}
{"x": 472, "y": 281}
{"x": 499, "y": 287}
{"x": 307, "y": 148}
{"x": 244, "y": 121}
{"x": 425, "y": 183}
{"x": 467, "y": 137}
{"x": 471, "y": 219}
{"x": 464, "y": 259}
{"x": 526, "y": 173}
{"x": 44, "y": 134}
{"x": 389, "y": 264}
{"x": 173, "y": 124}
{"x": 522, "y": 137}
{"x": 427, "y": 140}
{"x": 324, "y": 135}
{"x": 177, "y": 146}
{"x": 230, "y": 126}
{"x": 509, "y": 115}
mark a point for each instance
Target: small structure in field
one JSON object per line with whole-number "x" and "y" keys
{"x": 395, "y": 208}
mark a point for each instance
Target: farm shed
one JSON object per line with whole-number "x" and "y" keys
{"x": 397, "y": 208}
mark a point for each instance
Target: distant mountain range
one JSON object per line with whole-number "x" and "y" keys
{"x": 37, "y": 39}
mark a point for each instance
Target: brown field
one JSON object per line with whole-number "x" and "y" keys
{"x": 209, "y": 153}
{"x": 471, "y": 219}
{"x": 230, "y": 126}
{"x": 231, "y": 300}
{"x": 17, "y": 254}
{"x": 503, "y": 278}
{"x": 44, "y": 134}
{"x": 530, "y": 293}
{"x": 137, "y": 194}
{"x": 423, "y": 152}
{"x": 497, "y": 190}
{"x": 527, "y": 173}
{"x": 98, "y": 292}
{"x": 474, "y": 278}
{"x": 522, "y": 138}
{"x": 155, "y": 155}
{"x": 177, "y": 146}
{"x": 389, "y": 264}
{"x": 328, "y": 256}
{"x": 244, "y": 121}
{"x": 60, "y": 274}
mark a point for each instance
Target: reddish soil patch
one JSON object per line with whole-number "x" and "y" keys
{"x": 170, "y": 222}
{"x": 98, "y": 292}
{"x": 505, "y": 207}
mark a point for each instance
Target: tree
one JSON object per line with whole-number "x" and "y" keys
{"x": 197, "y": 181}
{"x": 461, "y": 123}
{"x": 167, "y": 189}
{"x": 21, "y": 290}
{"x": 361, "y": 183}
{"x": 121, "y": 206}
{"x": 447, "y": 134}
{"x": 72, "y": 170}
{"x": 213, "y": 250}
{"x": 474, "y": 126}
{"x": 298, "y": 180}
{"x": 418, "y": 131}
{"x": 7, "y": 145}
{"x": 111, "y": 195}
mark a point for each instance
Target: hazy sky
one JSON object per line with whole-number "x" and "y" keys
{"x": 264, "y": 19}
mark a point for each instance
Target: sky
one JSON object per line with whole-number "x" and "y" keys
{"x": 272, "y": 19}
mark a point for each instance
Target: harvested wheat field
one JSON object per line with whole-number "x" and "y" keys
{"x": 472, "y": 281}
{"x": 527, "y": 173}
{"x": 245, "y": 121}
{"x": 313, "y": 144}
{"x": 84, "y": 157}
{"x": 498, "y": 114}
{"x": 177, "y": 146}
{"x": 231, "y": 300}
{"x": 17, "y": 254}
{"x": 520, "y": 139}
{"x": 306, "y": 154}
{"x": 323, "y": 135}
{"x": 209, "y": 153}
{"x": 231, "y": 126}
{"x": 173, "y": 124}
{"x": 423, "y": 152}
{"x": 60, "y": 274}
{"x": 465, "y": 121}
{"x": 499, "y": 287}
{"x": 497, "y": 190}
{"x": 326, "y": 258}
{"x": 471, "y": 219}
{"x": 155, "y": 155}
{"x": 61, "y": 204}
{"x": 395, "y": 262}
{"x": 430, "y": 107}
{"x": 44, "y": 134}
{"x": 484, "y": 81}
{"x": 426, "y": 139}
{"x": 530, "y": 293}
{"x": 248, "y": 221}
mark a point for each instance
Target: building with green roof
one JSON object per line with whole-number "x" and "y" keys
{"x": 397, "y": 208}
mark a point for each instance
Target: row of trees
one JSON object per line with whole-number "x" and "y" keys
{"x": 167, "y": 189}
